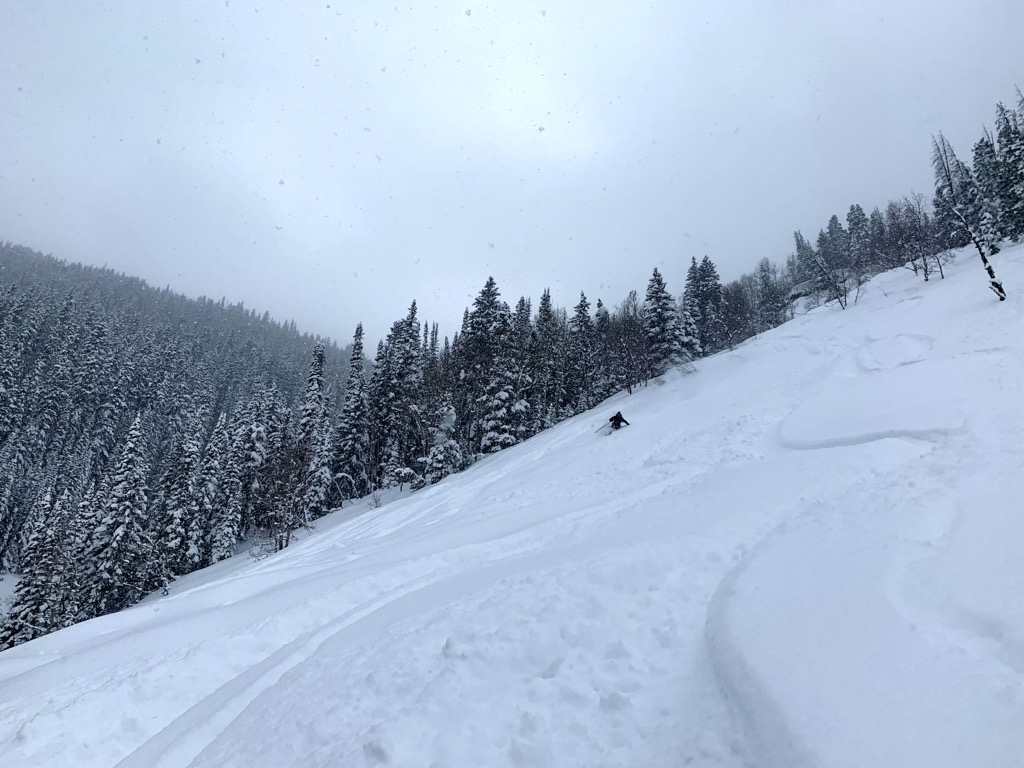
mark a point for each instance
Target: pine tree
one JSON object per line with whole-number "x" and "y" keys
{"x": 84, "y": 526}
{"x": 486, "y": 337}
{"x": 737, "y": 314}
{"x": 604, "y": 364}
{"x": 691, "y": 296}
{"x": 236, "y": 457}
{"x": 35, "y": 607}
{"x": 989, "y": 204}
{"x": 547, "y": 368}
{"x": 771, "y": 296}
{"x": 501, "y": 407}
{"x": 122, "y": 553}
{"x": 877, "y": 258}
{"x": 859, "y": 231}
{"x": 398, "y": 402}
{"x": 710, "y": 329}
{"x": 834, "y": 246}
{"x": 351, "y": 469}
{"x": 689, "y": 334}
{"x": 218, "y": 504}
{"x": 632, "y": 359}
{"x": 582, "y": 354}
{"x": 179, "y": 547}
{"x": 316, "y": 483}
{"x": 816, "y": 267}
{"x": 445, "y": 456}
{"x": 1009, "y": 183}
{"x": 378, "y": 409}
{"x": 661, "y": 327}
{"x": 312, "y": 475}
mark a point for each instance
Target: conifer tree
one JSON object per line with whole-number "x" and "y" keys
{"x": 604, "y": 364}
{"x": 122, "y": 552}
{"x": 312, "y": 458}
{"x": 582, "y": 355}
{"x": 877, "y": 259}
{"x": 351, "y": 469}
{"x": 738, "y": 315}
{"x": 546, "y": 368}
{"x": 708, "y": 297}
{"x": 501, "y": 407}
{"x": 378, "y": 409}
{"x": 691, "y": 296}
{"x": 218, "y": 477}
{"x": 689, "y": 335}
{"x": 236, "y": 456}
{"x": 177, "y": 548}
{"x": 398, "y": 401}
{"x": 34, "y": 610}
{"x": 445, "y": 456}
{"x": 859, "y": 234}
{"x": 632, "y": 359}
{"x": 1010, "y": 169}
{"x": 816, "y": 268}
{"x": 661, "y": 327}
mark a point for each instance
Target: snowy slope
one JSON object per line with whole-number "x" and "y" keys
{"x": 806, "y": 554}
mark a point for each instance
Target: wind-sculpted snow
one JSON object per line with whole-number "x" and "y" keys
{"x": 804, "y": 554}
{"x": 924, "y": 402}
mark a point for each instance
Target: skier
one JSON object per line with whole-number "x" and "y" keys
{"x": 618, "y": 420}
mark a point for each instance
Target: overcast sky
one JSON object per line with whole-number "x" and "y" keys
{"x": 332, "y": 161}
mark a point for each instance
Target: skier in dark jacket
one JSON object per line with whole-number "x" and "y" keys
{"x": 618, "y": 420}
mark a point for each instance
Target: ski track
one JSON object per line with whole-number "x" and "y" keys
{"x": 591, "y": 601}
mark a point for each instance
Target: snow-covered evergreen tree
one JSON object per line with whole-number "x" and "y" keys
{"x": 122, "y": 555}
{"x": 35, "y": 610}
{"x": 581, "y": 369}
{"x": 351, "y": 463}
{"x": 547, "y": 366}
{"x": 180, "y": 547}
{"x": 631, "y": 355}
{"x": 218, "y": 504}
{"x": 1009, "y": 181}
{"x": 661, "y": 327}
{"x": 859, "y": 235}
{"x": 502, "y": 408}
{"x": 445, "y": 456}
{"x": 312, "y": 453}
{"x": 604, "y": 360}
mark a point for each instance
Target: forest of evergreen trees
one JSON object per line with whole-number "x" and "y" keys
{"x": 144, "y": 435}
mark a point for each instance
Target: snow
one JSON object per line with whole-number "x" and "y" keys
{"x": 807, "y": 553}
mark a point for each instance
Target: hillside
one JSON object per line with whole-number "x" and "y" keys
{"x": 807, "y": 553}
{"x": 84, "y": 351}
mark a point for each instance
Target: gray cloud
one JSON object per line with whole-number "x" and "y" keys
{"x": 331, "y": 162}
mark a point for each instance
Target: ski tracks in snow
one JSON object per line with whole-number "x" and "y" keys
{"x": 754, "y": 573}
{"x": 883, "y": 626}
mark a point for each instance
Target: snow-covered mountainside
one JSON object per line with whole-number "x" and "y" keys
{"x": 808, "y": 553}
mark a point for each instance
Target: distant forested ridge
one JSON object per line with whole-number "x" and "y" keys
{"x": 144, "y": 435}
{"x": 94, "y": 363}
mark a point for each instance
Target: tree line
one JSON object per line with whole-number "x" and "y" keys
{"x": 144, "y": 435}
{"x": 978, "y": 205}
